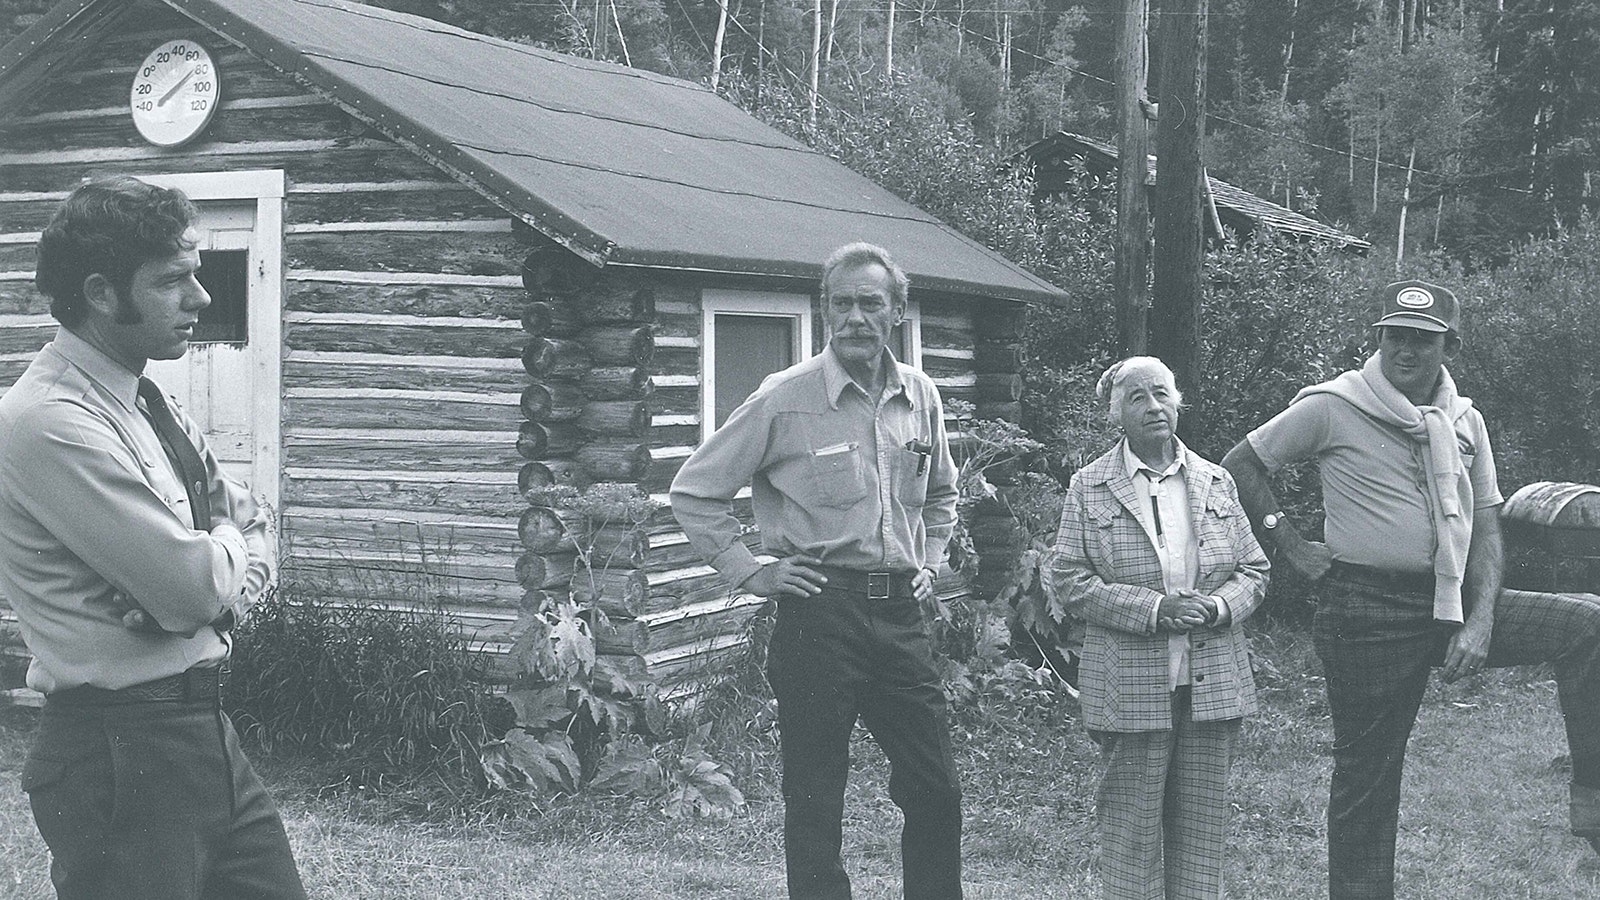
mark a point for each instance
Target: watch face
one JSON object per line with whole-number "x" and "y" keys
{"x": 175, "y": 93}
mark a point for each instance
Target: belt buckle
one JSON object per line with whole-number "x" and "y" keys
{"x": 877, "y": 585}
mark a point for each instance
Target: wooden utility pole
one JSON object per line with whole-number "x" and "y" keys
{"x": 1133, "y": 166}
{"x": 1180, "y": 192}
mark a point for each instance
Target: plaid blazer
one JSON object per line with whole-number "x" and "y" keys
{"x": 1107, "y": 571}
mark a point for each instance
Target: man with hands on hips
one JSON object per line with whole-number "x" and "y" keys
{"x": 854, "y": 490}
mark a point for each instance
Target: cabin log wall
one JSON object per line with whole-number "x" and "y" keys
{"x": 402, "y": 340}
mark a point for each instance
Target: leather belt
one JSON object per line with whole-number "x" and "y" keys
{"x": 873, "y": 585}
{"x": 1383, "y": 579}
{"x": 198, "y": 685}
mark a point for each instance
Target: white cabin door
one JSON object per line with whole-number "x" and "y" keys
{"x": 229, "y": 381}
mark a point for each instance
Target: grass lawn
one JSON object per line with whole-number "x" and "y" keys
{"x": 1484, "y": 814}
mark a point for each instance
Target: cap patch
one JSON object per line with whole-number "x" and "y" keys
{"x": 1414, "y": 298}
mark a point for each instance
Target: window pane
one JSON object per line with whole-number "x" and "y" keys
{"x": 748, "y": 349}
{"x": 225, "y": 276}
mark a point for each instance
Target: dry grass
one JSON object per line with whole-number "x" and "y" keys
{"x": 1483, "y": 815}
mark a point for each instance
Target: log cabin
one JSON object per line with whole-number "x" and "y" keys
{"x": 448, "y": 270}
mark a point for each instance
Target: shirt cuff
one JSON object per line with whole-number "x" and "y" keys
{"x": 736, "y": 563}
{"x": 1224, "y": 613}
{"x": 231, "y": 537}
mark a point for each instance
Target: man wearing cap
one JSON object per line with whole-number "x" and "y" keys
{"x": 1410, "y": 573}
{"x": 854, "y": 492}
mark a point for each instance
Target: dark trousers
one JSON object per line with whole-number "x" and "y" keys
{"x": 835, "y": 658}
{"x": 154, "y": 801}
{"x": 1377, "y": 650}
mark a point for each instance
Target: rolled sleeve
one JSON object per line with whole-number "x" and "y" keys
{"x": 702, "y": 492}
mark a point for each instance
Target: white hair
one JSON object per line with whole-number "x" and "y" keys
{"x": 1106, "y": 389}
{"x": 862, "y": 253}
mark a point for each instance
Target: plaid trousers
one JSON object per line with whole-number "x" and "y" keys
{"x": 1163, "y": 807}
{"x": 1377, "y": 650}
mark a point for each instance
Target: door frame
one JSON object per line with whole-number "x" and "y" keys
{"x": 265, "y": 311}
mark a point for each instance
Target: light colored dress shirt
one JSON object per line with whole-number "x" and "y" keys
{"x": 1164, "y": 516}
{"x": 92, "y": 515}
{"x": 830, "y": 473}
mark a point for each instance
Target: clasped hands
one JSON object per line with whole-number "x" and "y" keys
{"x": 1185, "y": 610}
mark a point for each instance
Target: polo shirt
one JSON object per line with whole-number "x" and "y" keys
{"x": 1374, "y": 488}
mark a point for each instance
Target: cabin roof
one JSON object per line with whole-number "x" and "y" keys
{"x": 620, "y": 165}
{"x": 1230, "y": 199}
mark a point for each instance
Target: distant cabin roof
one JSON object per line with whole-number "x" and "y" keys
{"x": 620, "y": 165}
{"x": 1234, "y": 203}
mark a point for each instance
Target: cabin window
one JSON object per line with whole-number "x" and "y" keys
{"x": 225, "y": 274}
{"x": 906, "y": 340}
{"x": 747, "y": 336}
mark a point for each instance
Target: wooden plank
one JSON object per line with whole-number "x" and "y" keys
{"x": 236, "y": 126}
{"x": 469, "y": 254}
{"x": 19, "y": 296}
{"x": 695, "y": 660}
{"x": 476, "y": 301}
{"x": 720, "y": 618}
{"x": 315, "y": 160}
{"x": 25, "y": 336}
{"x": 336, "y": 488}
{"x": 490, "y": 414}
{"x": 400, "y": 339}
{"x": 446, "y": 200}
{"x": 309, "y": 368}
{"x": 407, "y": 451}
{"x": 417, "y": 533}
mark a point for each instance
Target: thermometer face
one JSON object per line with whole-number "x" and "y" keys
{"x": 175, "y": 93}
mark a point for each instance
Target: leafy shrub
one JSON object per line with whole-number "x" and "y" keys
{"x": 379, "y": 693}
{"x": 580, "y": 720}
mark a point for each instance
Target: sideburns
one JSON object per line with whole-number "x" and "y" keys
{"x": 126, "y": 313}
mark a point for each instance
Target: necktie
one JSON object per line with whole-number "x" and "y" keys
{"x": 184, "y": 458}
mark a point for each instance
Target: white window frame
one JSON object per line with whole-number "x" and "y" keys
{"x": 795, "y": 307}
{"x": 266, "y": 188}
{"x": 913, "y": 323}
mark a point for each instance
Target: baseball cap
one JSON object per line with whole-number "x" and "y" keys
{"x": 1418, "y": 304}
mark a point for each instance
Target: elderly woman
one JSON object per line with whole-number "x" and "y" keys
{"x": 1156, "y": 555}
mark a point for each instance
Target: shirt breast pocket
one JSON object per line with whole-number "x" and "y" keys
{"x": 911, "y": 478}
{"x": 836, "y": 475}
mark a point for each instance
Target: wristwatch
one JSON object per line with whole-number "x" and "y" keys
{"x": 1271, "y": 520}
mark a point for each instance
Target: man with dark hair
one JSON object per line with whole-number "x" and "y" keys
{"x": 128, "y": 555}
{"x": 854, "y": 491}
{"x": 1410, "y": 573}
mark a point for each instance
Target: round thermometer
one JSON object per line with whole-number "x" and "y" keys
{"x": 175, "y": 93}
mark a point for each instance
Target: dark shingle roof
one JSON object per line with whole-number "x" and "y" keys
{"x": 620, "y": 165}
{"x": 1240, "y": 203}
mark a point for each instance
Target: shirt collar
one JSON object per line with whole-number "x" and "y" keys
{"x": 1133, "y": 465}
{"x": 101, "y": 369}
{"x": 836, "y": 380}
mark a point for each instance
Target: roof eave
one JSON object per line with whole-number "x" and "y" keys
{"x": 720, "y": 265}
